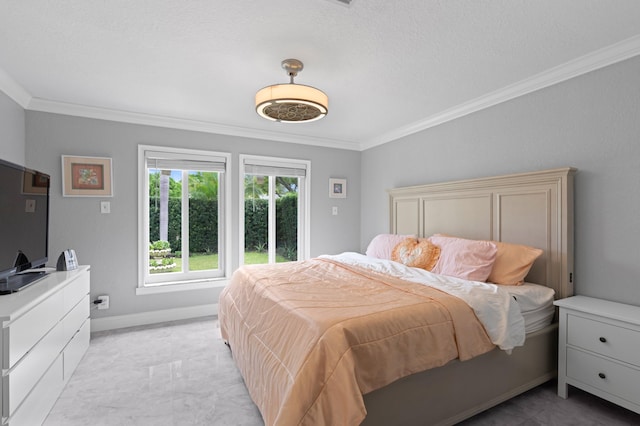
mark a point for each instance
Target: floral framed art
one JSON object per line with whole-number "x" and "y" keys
{"x": 337, "y": 188}
{"x": 86, "y": 176}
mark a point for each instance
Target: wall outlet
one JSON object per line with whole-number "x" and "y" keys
{"x": 104, "y": 302}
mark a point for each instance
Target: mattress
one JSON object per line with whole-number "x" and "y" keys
{"x": 536, "y": 304}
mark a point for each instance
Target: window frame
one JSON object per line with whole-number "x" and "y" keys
{"x": 304, "y": 201}
{"x": 189, "y": 280}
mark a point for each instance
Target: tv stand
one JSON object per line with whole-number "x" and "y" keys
{"x": 44, "y": 334}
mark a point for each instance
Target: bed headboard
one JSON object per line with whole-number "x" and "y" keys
{"x": 535, "y": 209}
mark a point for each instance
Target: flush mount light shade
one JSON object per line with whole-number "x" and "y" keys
{"x": 291, "y": 103}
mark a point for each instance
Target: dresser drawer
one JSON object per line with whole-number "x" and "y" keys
{"x": 619, "y": 343}
{"x": 605, "y": 375}
{"x": 76, "y": 291}
{"x": 25, "y": 374}
{"x": 27, "y": 330}
{"x": 72, "y": 322}
{"x": 76, "y": 349}
{"x": 36, "y": 406}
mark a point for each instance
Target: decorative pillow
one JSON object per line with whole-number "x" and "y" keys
{"x": 382, "y": 245}
{"x": 513, "y": 262}
{"x": 468, "y": 259}
{"x": 416, "y": 253}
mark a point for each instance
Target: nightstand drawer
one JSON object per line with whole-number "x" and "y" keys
{"x": 605, "y": 339}
{"x": 605, "y": 375}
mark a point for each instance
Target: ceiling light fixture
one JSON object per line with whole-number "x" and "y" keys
{"x": 291, "y": 103}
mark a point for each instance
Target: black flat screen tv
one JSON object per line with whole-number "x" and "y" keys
{"x": 24, "y": 226}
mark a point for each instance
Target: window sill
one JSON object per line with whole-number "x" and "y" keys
{"x": 173, "y": 287}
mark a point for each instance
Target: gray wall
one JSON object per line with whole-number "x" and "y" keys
{"x": 591, "y": 122}
{"x": 12, "y": 131}
{"x": 108, "y": 242}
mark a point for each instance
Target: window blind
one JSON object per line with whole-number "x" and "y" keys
{"x": 265, "y": 168}
{"x": 167, "y": 161}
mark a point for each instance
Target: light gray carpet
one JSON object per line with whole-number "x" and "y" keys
{"x": 181, "y": 373}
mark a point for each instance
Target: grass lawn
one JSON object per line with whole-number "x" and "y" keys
{"x": 202, "y": 262}
{"x": 254, "y": 257}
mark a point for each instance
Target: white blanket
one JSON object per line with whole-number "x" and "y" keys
{"x": 498, "y": 312}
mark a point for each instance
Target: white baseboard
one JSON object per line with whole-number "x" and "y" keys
{"x": 152, "y": 317}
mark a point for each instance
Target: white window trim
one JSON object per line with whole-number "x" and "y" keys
{"x": 143, "y": 223}
{"x": 304, "y": 228}
{"x": 170, "y": 288}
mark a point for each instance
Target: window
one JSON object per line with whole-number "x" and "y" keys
{"x": 274, "y": 201}
{"x": 183, "y": 218}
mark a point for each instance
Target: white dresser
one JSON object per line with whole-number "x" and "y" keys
{"x": 45, "y": 333}
{"x": 599, "y": 349}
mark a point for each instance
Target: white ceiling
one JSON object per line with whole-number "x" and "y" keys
{"x": 390, "y": 68}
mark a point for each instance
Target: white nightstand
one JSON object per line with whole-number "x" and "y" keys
{"x": 599, "y": 349}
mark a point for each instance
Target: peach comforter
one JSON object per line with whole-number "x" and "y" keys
{"x": 310, "y": 338}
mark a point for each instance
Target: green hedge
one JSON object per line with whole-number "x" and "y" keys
{"x": 287, "y": 226}
{"x": 256, "y": 225}
{"x": 203, "y": 224}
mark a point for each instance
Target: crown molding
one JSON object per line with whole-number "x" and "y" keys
{"x": 43, "y": 105}
{"x": 590, "y": 62}
{"x": 13, "y": 90}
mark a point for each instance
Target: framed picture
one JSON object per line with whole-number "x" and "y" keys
{"x": 86, "y": 176}
{"x": 34, "y": 183}
{"x": 337, "y": 188}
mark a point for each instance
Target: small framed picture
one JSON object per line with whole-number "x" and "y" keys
{"x": 337, "y": 188}
{"x": 86, "y": 176}
{"x": 37, "y": 183}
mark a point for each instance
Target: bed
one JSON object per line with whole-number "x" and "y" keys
{"x": 533, "y": 209}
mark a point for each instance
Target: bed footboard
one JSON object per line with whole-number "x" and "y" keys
{"x": 459, "y": 390}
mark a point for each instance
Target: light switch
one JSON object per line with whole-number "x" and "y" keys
{"x": 334, "y": 210}
{"x": 30, "y": 206}
{"x": 105, "y": 207}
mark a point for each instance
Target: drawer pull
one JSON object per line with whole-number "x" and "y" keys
{"x": 603, "y": 339}
{"x": 602, "y": 375}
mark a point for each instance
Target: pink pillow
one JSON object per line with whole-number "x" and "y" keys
{"x": 382, "y": 245}
{"x": 468, "y": 259}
